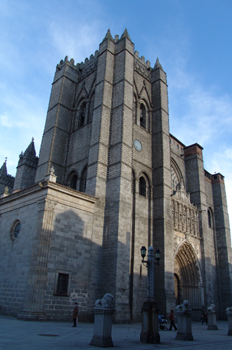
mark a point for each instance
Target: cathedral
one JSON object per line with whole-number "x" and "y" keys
{"x": 109, "y": 179}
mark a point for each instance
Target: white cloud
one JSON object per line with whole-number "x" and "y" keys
{"x": 198, "y": 114}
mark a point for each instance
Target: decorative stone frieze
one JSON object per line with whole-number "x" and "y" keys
{"x": 141, "y": 69}
{"x": 185, "y": 214}
{"x": 90, "y": 68}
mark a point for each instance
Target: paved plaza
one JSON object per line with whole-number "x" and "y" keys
{"x": 31, "y": 335}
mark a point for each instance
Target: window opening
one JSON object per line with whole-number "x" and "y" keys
{"x": 16, "y": 228}
{"x": 142, "y": 186}
{"x": 62, "y": 284}
{"x": 142, "y": 116}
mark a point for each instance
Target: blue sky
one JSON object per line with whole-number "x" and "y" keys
{"x": 191, "y": 38}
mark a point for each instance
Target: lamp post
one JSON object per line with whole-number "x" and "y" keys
{"x": 150, "y": 264}
{"x": 150, "y": 332}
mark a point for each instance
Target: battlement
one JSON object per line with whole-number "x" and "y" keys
{"x": 177, "y": 146}
{"x": 142, "y": 60}
{"x": 78, "y": 66}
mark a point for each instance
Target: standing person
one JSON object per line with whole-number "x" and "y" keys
{"x": 75, "y": 314}
{"x": 206, "y": 318}
{"x": 171, "y": 317}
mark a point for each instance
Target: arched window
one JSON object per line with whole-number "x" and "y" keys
{"x": 91, "y": 106}
{"x": 143, "y": 116}
{"x": 73, "y": 182}
{"x": 142, "y": 186}
{"x": 15, "y": 229}
{"x": 83, "y": 180}
{"x": 82, "y": 114}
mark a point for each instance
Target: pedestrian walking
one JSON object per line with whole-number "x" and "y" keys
{"x": 75, "y": 314}
{"x": 171, "y": 318}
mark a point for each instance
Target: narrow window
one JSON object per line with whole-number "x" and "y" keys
{"x": 142, "y": 186}
{"x": 62, "y": 284}
{"x": 143, "y": 116}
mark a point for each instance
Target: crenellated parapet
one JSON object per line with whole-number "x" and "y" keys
{"x": 84, "y": 68}
{"x": 142, "y": 67}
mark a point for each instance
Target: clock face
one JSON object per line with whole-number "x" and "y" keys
{"x": 138, "y": 145}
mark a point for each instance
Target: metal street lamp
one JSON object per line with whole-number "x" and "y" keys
{"x": 150, "y": 333}
{"x": 143, "y": 251}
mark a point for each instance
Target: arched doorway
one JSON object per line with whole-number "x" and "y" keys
{"x": 187, "y": 278}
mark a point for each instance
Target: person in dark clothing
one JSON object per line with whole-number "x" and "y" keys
{"x": 75, "y": 314}
{"x": 206, "y": 318}
{"x": 171, "y": 318}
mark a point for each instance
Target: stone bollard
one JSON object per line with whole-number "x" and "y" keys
{"x": 103, "y": 311}
{"x": 212, "y": 322}
{"x": 184, "y": 322}
{"x": 229, "y": 314}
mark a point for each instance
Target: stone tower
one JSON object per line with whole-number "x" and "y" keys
{"x": 110, "y": 179}
{"x": 108, "y": 119}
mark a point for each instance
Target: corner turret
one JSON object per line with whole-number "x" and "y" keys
{"x": 5, "y": 179}
{"x": 26, "y": 168}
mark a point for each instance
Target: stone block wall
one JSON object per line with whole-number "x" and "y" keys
{"x": 16, "y": 252}
{"x": 70, "y": 251}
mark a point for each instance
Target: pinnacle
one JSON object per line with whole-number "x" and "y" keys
{"x": 108, "y": 36}
{"x": 125, "y": 35}
{"x": 30, "y": 151}
{"x": 157, "y": 64}
{"x": 3, "y": 170}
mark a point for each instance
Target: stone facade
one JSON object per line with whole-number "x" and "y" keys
{"x": 119, "y": 180}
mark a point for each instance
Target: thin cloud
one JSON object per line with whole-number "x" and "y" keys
{"x": 5, "y": 121}
{"x": 196, "y": 114}
{"x": 66, "y": 43}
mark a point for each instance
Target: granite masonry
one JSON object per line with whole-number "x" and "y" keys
{"x": 109, "y": 179}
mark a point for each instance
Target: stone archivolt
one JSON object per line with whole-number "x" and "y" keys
{"x": 185, "y": 214}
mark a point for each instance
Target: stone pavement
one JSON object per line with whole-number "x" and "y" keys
{"x": 24, "y": 335}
